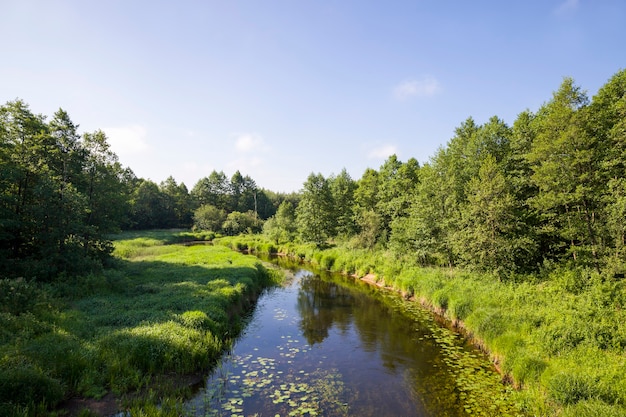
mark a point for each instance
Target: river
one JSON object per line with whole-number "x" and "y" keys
{"x": 328, "y": 345}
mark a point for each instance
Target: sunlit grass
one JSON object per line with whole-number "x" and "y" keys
{"x": 560, "y": 337}
{"x": 164, "y": 309}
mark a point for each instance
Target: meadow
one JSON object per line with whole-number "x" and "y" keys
{"x": 138, "y": 332}
{"x": 558, "y": 338}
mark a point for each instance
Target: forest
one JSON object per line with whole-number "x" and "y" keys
{"x": 548, "y": 190}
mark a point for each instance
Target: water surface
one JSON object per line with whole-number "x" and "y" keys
{"x": 332, "y": 346}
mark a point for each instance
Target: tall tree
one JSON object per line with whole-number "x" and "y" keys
{"x": 150, "y": 207}
{"x": 315, "y": 211}
{"x": 282, "y": 226}
{"x": 178, "y": 203}
{"x": 213, "y": 190}
{"x": 342, "y": 189}
{"x": 567, "y": 162}
{"x": 490, "y": 237}
{"x": 107, "y": 192}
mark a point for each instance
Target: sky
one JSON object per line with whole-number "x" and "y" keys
{"x": 279, "y": 89}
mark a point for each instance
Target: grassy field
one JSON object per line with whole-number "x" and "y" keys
{"x": 165, "y": 311}
{"x": 559, "y": 338}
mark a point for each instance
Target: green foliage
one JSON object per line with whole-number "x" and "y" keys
{"x": 237, "y": 223}
{"x": 17, "y": 296}
{"x": 166, "y": 309}
{"x": 156, "y": 348}
{"x": 593, "y": 408}
{"x": 208, "y": 217}
{"x": 60, "y": 194}
{"x": 315, "y": 212}
{"x": 25, "y": 386}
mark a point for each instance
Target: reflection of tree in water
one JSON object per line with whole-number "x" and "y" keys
{"x": 338, "y": 301}
{"x": 405, "y": 337}
{"x": 321, "y": 304}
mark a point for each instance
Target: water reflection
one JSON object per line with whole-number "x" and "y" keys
{"x": 329, "y": 345}
{"x": 389, "y": 360}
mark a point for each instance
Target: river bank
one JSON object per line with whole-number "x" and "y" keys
{"x": 558, "y": 338}
{"x": 164, "y": 313}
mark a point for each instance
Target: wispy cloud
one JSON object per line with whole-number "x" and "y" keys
{"x": 382, "y": 152}
{"x": 249, "y": 142}
{"x": 568, "y": 6}
{"x": 127, "y": 140}
{"x": 424, "y": 87}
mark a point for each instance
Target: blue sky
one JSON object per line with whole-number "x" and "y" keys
{"x": 280, "y": 89}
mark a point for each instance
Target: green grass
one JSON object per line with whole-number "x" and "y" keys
{"x": 560, "y": 337}
{"x": 164, "y": 309}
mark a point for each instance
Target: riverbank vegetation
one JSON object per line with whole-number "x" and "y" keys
{"x": 161, "y": 313}
{"x": 515, "y": 230}
{"x": 558, "y": 337}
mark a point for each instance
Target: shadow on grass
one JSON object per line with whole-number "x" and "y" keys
{"x": 122, "y": 329}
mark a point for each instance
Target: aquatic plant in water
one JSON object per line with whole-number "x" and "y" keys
{"x": 270, "y": 385}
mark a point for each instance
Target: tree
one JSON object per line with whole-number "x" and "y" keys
{"x": 282, "y": 226}
{"x": 150, "y": 208}
{"x": 209, "y": 217}
{"x": 60, "y": 195}
{"x": 607, "y": 120}
{"x": 397, "y": 182}
{"x": 213, "y": 190}
{"x": 237, "y": 223}
{"x": 369, "y": 221}
{"x": 490, "y": 237}
{"x": 567, "y": 162}
{"x": 342, "y": 190}
{"x": 178, "y": 203}
{"x": 426, "y": 231}
{"x": 315, "y": 212}
{"x": 107, "y": 190}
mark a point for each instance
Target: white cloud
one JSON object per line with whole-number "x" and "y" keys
{"x": 382, "y": 152}
{"x": 568, "y": 6}
{"x": 127, "y": 140}
{"x": 425, "y": 87}
{"x": 249, "y": 142}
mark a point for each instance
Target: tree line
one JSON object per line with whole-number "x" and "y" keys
{"x": 548, "y": 190}
{"x": 62, "y": 195}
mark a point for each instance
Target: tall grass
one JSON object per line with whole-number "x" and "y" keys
{"x": 559, "y": 337}
{"x": 164, "y": 309}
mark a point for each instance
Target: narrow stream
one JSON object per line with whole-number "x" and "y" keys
{"x": 325, "y": 345}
